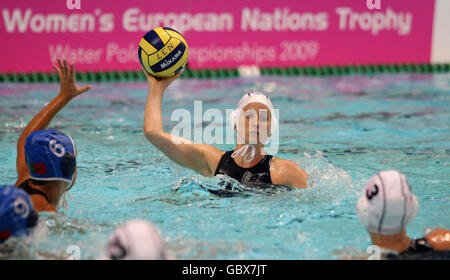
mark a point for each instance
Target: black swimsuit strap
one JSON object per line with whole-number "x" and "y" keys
{"x": 29, "y": 190}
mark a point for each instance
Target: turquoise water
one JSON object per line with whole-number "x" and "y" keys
{"x": 341, "y": 130}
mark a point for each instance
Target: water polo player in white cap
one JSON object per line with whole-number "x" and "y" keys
{"x": 135, "y": 240}
{"x": 248, "y": 163}
{"x": 46, "y": 159}
{"x": 385, "y": 207}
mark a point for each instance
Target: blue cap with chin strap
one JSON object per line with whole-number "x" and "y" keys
{"x": 50, "y": 156}
{"x": 17, "y": 215}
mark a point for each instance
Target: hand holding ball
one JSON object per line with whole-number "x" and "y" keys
{"x": 163, "y": 52}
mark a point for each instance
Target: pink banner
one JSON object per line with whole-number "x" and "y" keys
{"x": 100, "y": 35}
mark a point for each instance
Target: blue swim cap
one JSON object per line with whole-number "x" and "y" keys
{"x": 16, "y": 213}
{"x": 50, "y": 156}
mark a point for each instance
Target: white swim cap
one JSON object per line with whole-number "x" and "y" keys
{"x": 253, "y": 97}
{"x": 387, "y": 204}
{"x": 135, "y": 240}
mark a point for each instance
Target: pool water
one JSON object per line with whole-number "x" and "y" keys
{"x": 341, "y": 130}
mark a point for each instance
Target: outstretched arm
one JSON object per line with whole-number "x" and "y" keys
{"x": 68, "y": 91}
{"x": 201, "y": 158}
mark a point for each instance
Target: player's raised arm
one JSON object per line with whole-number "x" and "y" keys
{"x": 201, "y": 158}
{"x": 67, "y": 92}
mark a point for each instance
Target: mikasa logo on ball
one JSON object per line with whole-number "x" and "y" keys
{"x": 169, "y": 61}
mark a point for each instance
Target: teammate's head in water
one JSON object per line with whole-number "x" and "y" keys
{"x": 135, "y": 240}
{"x": 51, "y": 159}
{"x": 387, "y": 204}
{"x": 17, "y": 215}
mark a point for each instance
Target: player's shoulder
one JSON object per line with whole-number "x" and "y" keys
{"x": 440, "y": 233}
{"x": 283, "y": 163}
{"x": 287, "y": 168}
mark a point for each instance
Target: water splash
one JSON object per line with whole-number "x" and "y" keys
{"x": 326, "y": 182}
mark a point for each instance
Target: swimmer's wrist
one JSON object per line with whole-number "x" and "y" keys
{"x": 65, "y": 96}
{"x": 157, "y": 89}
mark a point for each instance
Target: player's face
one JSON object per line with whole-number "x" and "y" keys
{"x": 257, "y": 121}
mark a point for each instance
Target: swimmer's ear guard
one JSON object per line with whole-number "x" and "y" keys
{"x": 68, "y": 167}
{"x": 68, "y": 164}
{"x": 387, "y": 204}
